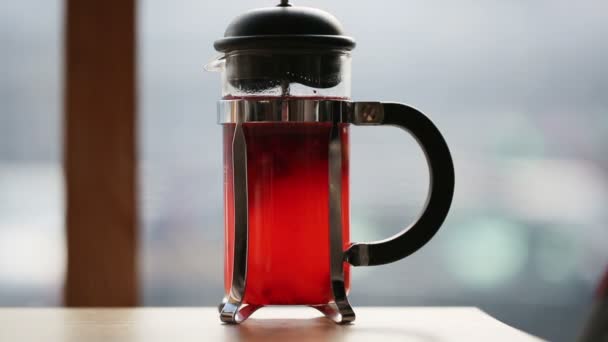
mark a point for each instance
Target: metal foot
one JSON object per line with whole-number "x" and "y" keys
{"x": 339, "y": 313}
{"x": 221, "y": 306}
{"x": 234, "y": 312}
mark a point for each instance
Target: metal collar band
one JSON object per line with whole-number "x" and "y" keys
{"x": 300, "y": 110}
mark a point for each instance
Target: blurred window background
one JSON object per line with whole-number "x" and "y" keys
{"x": 518, "y": 89}
{"x": 32, "y": 252}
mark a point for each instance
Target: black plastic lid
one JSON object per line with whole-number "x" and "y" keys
{"x": 284, "y": 26}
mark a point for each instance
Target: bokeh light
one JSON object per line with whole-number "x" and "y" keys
{"x": 486, "y": 253}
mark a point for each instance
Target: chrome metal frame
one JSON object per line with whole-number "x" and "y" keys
{"x": 232, "y": 309}
{"x": 340, "y": 311}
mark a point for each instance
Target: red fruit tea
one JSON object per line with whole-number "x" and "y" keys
{"x": 288, "y": 194}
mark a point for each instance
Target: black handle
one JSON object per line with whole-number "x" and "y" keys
{"x": 439, "y": 199}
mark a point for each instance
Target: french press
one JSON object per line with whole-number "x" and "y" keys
{"x": 286, "y": 113}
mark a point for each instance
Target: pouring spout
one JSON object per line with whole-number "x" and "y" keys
{"x": 217, "y": 64}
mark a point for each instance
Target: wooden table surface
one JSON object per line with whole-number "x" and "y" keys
{"x": 429, "y": 324}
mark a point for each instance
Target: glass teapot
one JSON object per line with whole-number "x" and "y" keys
{"x": 286, "y": 113}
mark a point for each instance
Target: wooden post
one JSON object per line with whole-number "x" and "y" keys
{"x": 100, "y": 153}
